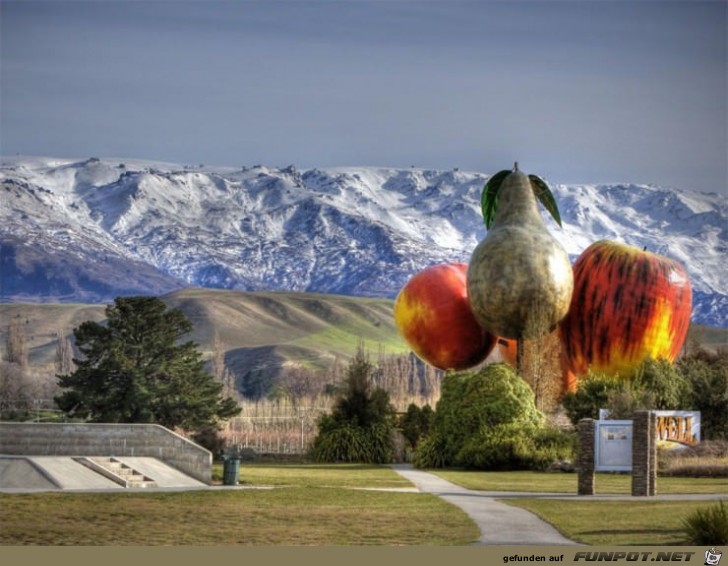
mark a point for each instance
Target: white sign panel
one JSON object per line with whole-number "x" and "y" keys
{"x": 613, "y": 446}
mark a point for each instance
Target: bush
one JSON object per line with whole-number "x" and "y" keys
{"x": 591, "y": 394}
{"x": 360, "y": 427}
{"x": 209, "y": 437}
{"x": 515, "y": 447}
{"x": 708, "y": 376}
{"x": 655, "y": 384}
{"x": 488, "y": 420}
{"x": 662, "y": 386}
{"x": 707, "y": 526}
{"x": 416, "y": 423}
{"x": 430, "y": 452}
{"x": 705, "y": 459}
{"x": 350, "y": 443}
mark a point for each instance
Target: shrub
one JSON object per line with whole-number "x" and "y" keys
{"x": 655, "y": 384}
{"x": 359, "y": 429}
{"x": 707, "y": 526}
{"x": 488, "y": 420}
{"x": 210, "y": 437}
{"x": 591, "y": 395}
{"x": 416, "y": 423}
{"x": 706, "y": 459}
{"x": 350, "y": 443}
{"x": 708, "y": 376}
{"x": 430, "y": 452}
{"x": 515, "y": 447}
{"x": 662, "y": 385}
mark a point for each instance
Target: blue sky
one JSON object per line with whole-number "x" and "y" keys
{"x": 588, "y": 91}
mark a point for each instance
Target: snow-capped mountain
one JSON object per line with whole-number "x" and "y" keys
{"x": 94, "y": 229}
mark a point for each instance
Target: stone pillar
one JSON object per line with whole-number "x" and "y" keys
{"x": 585, "y": 457}
{"x": 644, "y": 454}
{"x": 652, "y": 482}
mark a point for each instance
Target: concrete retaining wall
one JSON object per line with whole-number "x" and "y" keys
{"x": 67, "y": 439}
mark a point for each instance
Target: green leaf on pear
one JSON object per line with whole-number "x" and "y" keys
{"x": 544, "y": 194}
{"x": 489, "y": 197}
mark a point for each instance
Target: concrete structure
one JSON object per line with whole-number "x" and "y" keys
{"x": 115, "y": 440}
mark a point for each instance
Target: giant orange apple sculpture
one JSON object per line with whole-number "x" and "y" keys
{"x": 628, "y": 305}
{"x": 433, "y": 315}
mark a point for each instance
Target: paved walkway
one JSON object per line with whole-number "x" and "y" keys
{"x": 502, "y": 524}
{"x": 499, "y": 524}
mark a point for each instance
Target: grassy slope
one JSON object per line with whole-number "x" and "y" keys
{"x": 309, "y": 328}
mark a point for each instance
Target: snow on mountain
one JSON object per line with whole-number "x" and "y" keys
{"x": 97, "y": 228}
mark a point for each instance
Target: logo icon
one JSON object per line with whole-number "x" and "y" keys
{"x": 712, "y": 557}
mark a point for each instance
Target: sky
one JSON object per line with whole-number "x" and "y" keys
{"x": 589, "y": 91}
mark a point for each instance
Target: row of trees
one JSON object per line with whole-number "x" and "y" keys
{"x": 136, "y": 367}
{"x": 23, "y": 387}
{"x": 489, "y": 418}
{"x": 698, "y": 381}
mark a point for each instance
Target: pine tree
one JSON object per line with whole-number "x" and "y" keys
{"x": 134, "y": 369}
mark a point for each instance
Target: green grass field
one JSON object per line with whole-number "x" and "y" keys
{"x": 333, "y": 505}
{"x": 311, "y": 506}
{"x": 615, "y": 523}
{"x": 599, "y": 522}
{"x": 605, "y": 484}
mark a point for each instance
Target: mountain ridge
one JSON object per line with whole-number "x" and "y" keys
{"x": 89, "y": 230}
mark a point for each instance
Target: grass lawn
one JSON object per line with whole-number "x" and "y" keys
{"x": 304, "y": 514}
{"x": 539, "y": 482}
{"x": 316, "y": 475}
{"x": 599, "y": 522}
{"x": 615, "y": 523}
{"x": 319, "y": 505}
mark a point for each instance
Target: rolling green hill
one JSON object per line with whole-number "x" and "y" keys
{"x": 259, "y": 333}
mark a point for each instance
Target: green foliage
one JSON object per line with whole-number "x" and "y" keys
{"x": 655, "y": 384}
{"x": 430, "y": 452}
{"x": 486, "y": 420}
{"x": 707, "y": 375}
{"x": 708, "y": 526}
{"x": 663, "y": 386}
{"x": 134, "y": 369}
{"x": 591, "y": 395}
{"x": 360, "y": 427}
{"x": 545, "y": 196}
{"x": 346, "y": 442}
{"x": 516, "y": 447}
{"x": 416, "y": 423}
{"x": 491, "y": 195}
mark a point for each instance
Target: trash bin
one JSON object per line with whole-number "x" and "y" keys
{"x": 230, "y": 470}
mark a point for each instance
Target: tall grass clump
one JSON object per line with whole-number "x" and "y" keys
{"x": 707, "y": 526}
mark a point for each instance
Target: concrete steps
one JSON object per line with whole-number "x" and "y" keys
{"x": 117, "y": 471}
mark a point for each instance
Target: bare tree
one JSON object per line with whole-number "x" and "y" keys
{"x": 64, "y": 353}
{"x": 16, "y": 348}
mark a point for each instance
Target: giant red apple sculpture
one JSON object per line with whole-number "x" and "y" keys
{"x": 628, "y": 305}
{"x": 433, "y": 315}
